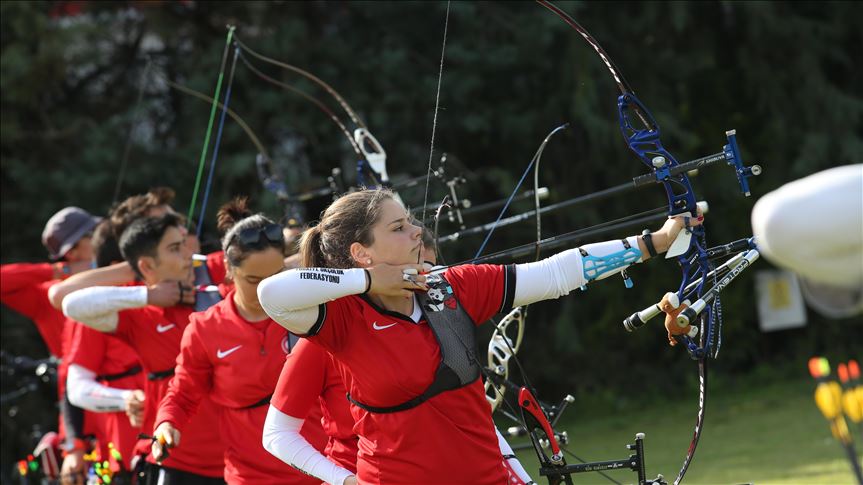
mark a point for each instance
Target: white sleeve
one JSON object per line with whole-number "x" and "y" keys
{"x": 814, "y": 226}
{"x": 97, "y": 307}
{"x": 86, "y": 393}
{"x": 510, "y": 458}
{"x": 557, "y": 275}
{"x": 292, "y": 297}
{"x": 283, "y": 440}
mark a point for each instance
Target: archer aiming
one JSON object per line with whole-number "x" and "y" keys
{"x": 311, "y": 375}
{"x": 151, "y": 318}
{"x": 419, "y": 406}
{"x": 231, "y": 340}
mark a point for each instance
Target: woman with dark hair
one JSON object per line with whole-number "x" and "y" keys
{"x": 419, "y": 406}
{"x": 233, "y": 353}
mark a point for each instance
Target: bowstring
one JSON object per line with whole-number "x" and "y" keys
{"x": 434, "y": 120}
{"x": 136, "y": 115}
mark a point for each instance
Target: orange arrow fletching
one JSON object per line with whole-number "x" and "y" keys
{"x": 853, "y": 369}
{"x": 814, "y": 368}
{"x": 842, "y": 370}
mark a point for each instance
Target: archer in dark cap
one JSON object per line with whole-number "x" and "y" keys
{"x": 69, "y": 231}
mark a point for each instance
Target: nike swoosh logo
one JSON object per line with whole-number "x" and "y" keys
{"x": 381, "y": 327}
{"x": 220, "y": 354}
{"x": 164, "y": 328}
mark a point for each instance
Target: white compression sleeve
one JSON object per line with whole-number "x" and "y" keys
{"x": 814, "y": 226}
{"x": 282, "y": 439}
{"x": 86, "y": 393}
{"x": 291, "y": 298}
{"x": 563, "y": 272}
{"x": 97, "y": 307}
{"x": 513, "y": 462}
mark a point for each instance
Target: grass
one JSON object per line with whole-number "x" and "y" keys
{"x": 772, "y": 434}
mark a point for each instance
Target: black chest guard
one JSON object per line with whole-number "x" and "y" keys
{"x": 456, "y": 335}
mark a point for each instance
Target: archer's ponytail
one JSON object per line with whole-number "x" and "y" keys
{"x": 234, "y": 218}
{"x": 347, "y": 220}
{"x": 232, "y": 212}
{"x": 310, "y": 248}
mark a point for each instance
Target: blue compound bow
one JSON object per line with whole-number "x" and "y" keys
{"x": 642, "y": 135}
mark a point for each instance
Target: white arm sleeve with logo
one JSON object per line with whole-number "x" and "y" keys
{"x": 283, "y": 440}
{"x": 86, "y": 393}
{"x": 292, "y": 297}
{"x": 97, "y": 307}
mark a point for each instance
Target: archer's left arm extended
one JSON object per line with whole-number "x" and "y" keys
{"x": 557, "y": 275}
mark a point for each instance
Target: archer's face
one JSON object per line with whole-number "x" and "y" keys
{"x": 396, "y": 240}
{"x": 254, "y": 268}
{"x": 174, "y": 259}
{"x": 81, "y": 251}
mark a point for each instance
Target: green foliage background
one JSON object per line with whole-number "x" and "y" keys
{"x": 786, "y": 75}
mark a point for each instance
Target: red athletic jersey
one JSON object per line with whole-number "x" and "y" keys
{"x": 24, "y": 288}
{"x": 216, "y": 266}
{"x": 155, "y": 334}
{"x": 105, "y": 355}
{"x": 310, "y": 379}
{"x": 236, "y": 364}
{"x": 389, "y": 359}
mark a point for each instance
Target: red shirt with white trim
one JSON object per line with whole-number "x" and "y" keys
{"x": 310, "y": 379}
{"x": 389, "y": 359}
{"x": 235, "y": 363}
{"x": 106, "y": 355}
{"x": 155, "y": 334}
{"x": 216, "y": 267}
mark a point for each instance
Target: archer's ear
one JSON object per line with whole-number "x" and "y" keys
{"x": 147, "y": 266}
{"x": 360, "y": 255}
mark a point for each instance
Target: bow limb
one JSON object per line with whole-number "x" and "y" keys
{"x": 321, "y": 106}
{"x": 502, "y": 347}
{"x": 265, "y": 165}
{"x": 308, "y": 75}
{"x": 364, "y": 143}
{"x": 253, "y": 137}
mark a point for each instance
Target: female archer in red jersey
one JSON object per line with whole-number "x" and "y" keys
{"x": 232, "y": 353}
{"x": 419, "y": 406}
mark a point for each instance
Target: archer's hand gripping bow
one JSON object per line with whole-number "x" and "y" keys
{"x": 695, "y": 261}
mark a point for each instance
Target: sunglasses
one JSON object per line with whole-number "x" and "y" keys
{"x": 254, "y": 235}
